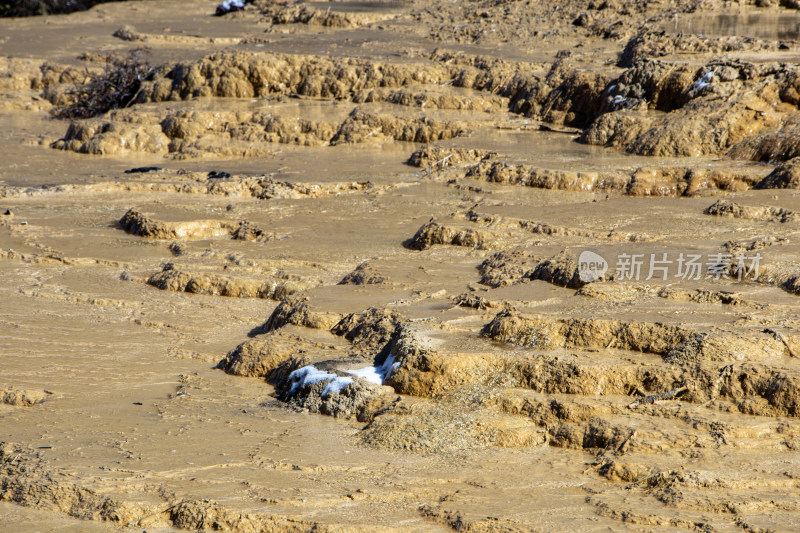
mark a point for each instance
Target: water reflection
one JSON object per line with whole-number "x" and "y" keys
{"x": 362, "y": 6}
{"x": 772, "y": 26}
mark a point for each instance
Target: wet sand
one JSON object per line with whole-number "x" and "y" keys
{"x": 406, "y": 187}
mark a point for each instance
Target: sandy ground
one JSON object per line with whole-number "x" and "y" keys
{"x": 407, "y": 187}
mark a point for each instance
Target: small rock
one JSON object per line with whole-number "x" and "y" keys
{"x": 177, "y": 248}
{"x": 581, "y": 20}
{"x": 143, "y": 170}
{"x": 218, "y": 175}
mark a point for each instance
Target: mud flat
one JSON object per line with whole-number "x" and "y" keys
{"x": 401, "y": 266}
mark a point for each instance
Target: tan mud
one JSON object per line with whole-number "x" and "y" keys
{"x": 323, "y": 271}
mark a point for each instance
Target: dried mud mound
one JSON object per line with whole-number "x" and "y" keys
{"x": 277, "y": 286}
{"x": 720, "y": 108}
{"x": 333, "y": 393}
{"x": 674, "y": 343}
{"x": 433, "y": 156}
{"x": 32, "y": 85}
{"x": 410, "y": 364}
{"x": 371, "y": 328}
{"x": 297, "y": 311}
{"x": 449, "y": 425}
{"x": 138, "y": 223}
{"x": 304, "y": 14}
{"x": 109, "y": 138}
{"x": 727, "y": 208}
{"x": 274, "y": 356}
{"x": 785, "y": 176}
{"x": 697, "y": 367}
{"x": 363, "y": 274}
{"x": 362, "y": 125}
{"x": 200, "y": 183}
{"x": 22, "y": 397}
{"x": 432, "y": 97}
{"x": 546, "y": 332}
{"x": 427, "y": 368}
{"x": 509, "y": 267}
{"x": 433, "y": 233}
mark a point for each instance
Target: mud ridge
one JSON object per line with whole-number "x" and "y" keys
{"x": 768, "y": 213}
{"x": 541, "y": 228}
{"x": 675, "y": 343}
{"x": 303, "y": 14}
{"x": 509, "y": 267}
{"x": 185, "y": 135}
{"x": 263, "y": 188}
{"x": 695, "y": 122}
{"x": 642, "y": 182}
{"x": 137, "y": 223}
{"x": 430, "y": 156}
{"x": 22, "y": 397}
{"x": 279, "y": 288}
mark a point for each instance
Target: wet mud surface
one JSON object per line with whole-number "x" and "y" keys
{"x": 402, "y": 266}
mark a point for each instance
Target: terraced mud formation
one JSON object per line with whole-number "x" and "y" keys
{"x": 401, "y": 266}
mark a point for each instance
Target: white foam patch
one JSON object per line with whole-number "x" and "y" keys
{"x": 335, "y": 386}
{"x": 369, "y": 373}
{"x": 231, "y": 5}
{"x": 309, "y": 375}
{"x": 376, "y": 374}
